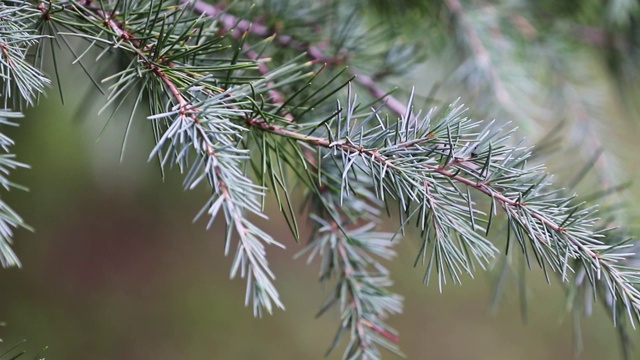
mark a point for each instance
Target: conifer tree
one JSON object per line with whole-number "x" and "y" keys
{"x": 251, "y": 98}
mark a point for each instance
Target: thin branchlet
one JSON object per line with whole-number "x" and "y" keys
{"x": 199, "y": 137}
{"x": 22, "y": 81}
{"x": 9, "y": 219}
{"x": 460, "y": 156}
{"x": 235, "y": 26}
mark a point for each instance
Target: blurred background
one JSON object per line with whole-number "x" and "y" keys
{"x": 116, "y": 270}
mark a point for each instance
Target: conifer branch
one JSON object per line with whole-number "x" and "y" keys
{"x": 22, "y": 83}
{"x": 563, "y": 97}
{"x": 236, "y": 26}
{"x": 194, "y": 124}
{"x": 345, "y": 239}
{"x": 480, "y": 56}
{"x": 557, "y": 231}
{"x": 9, "y": 219}
{"x": 566, "y": 99}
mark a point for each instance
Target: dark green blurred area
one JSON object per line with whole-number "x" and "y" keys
{"x": 116, "y": 270}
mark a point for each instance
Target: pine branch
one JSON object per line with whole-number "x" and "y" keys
{"x": 22, "y": 82}
{"x": 553, "y": 243}
{"x": 557, "y": 231}
{"x": 479, "y": 54}
{"x": 345, "y": 239}
{"x": 361, "y": 289}
{"x": 236, "y": 26}
{"x": 197, "y": 123}
{"x": 9, "y": 219}
{"x": 563, "y": 96}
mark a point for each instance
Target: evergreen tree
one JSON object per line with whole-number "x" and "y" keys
{"x": 279, "y": 97}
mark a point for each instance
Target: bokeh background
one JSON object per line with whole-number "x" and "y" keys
{"x": 116, "y": 270}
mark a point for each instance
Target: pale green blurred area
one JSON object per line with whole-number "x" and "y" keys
{"x": 116, "y": 270}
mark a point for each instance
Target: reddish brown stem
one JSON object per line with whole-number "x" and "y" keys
{"x": 235, "y": 26}
{"x": 375, "y": 155}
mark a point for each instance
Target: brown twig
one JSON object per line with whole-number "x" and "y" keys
{"x": 186, "y": 109}
{"x": 481, "y": 186}
{"x": 235, "y": 26}
{"x": 609, "y": 266}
